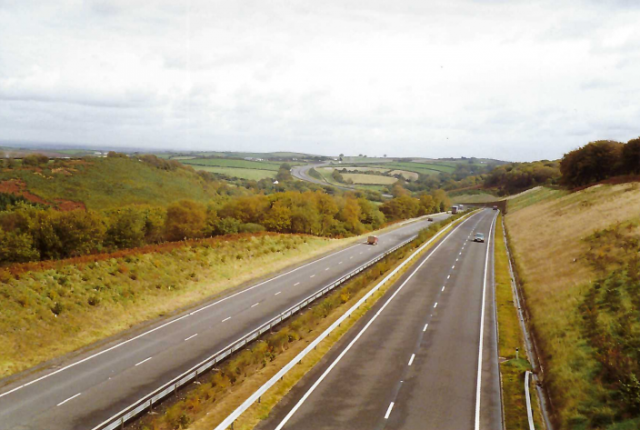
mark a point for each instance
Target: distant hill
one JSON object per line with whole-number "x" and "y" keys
{"x": 105, "y": 183}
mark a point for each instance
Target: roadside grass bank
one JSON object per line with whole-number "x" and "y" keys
{"x": 215, "y": 396}
{"x": 510, "y": 337}
{"x": 63, "y": 307}
{"x": 576, "y": 255}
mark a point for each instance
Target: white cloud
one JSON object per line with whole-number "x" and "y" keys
{"x": 503, "y": 79}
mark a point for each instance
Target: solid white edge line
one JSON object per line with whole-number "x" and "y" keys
{"x": 143, "y": 361}
{"x": 231, "y": 418}
{"x": 70, "y": 398}
{"x": 480, "y": 347}
{"x": 386, "y": 416}
{"x": 413, "y": 356}
{"x": 191, "y": 337}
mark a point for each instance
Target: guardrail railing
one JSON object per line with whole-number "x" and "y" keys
{"x": 147, "y": 402}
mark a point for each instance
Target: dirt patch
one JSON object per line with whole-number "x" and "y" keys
{"x": 63, "y": 171}
{"x": 18, "y": 188}
{"x": 68, "y": 205}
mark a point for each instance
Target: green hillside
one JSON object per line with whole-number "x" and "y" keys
{"x": 105, "y": 183}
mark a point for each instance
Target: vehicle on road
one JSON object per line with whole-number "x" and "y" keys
{"x": 495, "y": 208}
{"x": 479, "y": 237}
{"x": 372, "y": 240}
{"x": 430, "y": 219}
{"x": 454, "y": 209}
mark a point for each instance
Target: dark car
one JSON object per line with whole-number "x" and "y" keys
{"x": 429, "y": 219}
{"x": 495, "y": 208}
{"x": 479, "y": 237}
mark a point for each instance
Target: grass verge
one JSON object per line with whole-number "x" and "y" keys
{"x": 510, "y": 337}
{"x": 213, "y": 398}
{"x": 47, "y": 313}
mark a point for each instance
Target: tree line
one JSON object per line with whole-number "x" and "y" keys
{"x": 600, "y": 160}
{"x": 31, "y": 233}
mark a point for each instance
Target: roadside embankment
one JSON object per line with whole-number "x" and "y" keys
{"x": 577, "y": 259}
{"x": 47, "y": 313}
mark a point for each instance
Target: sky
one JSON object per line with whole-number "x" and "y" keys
{"x": 506, "y": 79}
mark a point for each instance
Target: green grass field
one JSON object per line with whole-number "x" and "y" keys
{"x": 243, "y": 164}
{"x": 364, "y": 179}
{"x": 357, "y": 168}
{"x": 239, "y": 172}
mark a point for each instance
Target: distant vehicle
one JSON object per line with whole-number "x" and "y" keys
{"x": 479, "y": 237}
{"x": 429, "y": 219}
{"x": 454, "y": 209}
{"x": 495, "y": 208}
{"x": 372, "y": 240}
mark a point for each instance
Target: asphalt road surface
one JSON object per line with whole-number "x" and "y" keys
{"x": 413, "y": 362}
{"x": 89, "y": 388}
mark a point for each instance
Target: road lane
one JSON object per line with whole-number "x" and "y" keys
{"x": 415, "y": 366}
{"x": 110, "y": 380}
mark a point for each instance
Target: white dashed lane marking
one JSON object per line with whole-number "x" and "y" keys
{"x": 386, "y": 416}
{"x": 254, "y": 305}
{"x": 277, "y": 293}
{"x": 191, "y": 337}
{"x": 226, "y": 319}
{"x": 144, "y": 361}
{"x": 70, "y": 398}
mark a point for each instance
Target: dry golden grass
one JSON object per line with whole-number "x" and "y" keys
{"x": 547, "y": 242}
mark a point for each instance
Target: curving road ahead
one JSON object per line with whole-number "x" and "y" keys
{"x": 302, "y": 173}
{"x": 94, "y": 386}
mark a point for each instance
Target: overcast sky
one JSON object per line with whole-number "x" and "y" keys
{"x": 515, "y": 80}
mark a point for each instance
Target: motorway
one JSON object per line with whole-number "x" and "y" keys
{"x": 424, "y": 357}
{"x": 302, "y": 173}
{"x": 92, "y": 387}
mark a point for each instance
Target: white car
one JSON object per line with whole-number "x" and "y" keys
{"x": 479, "y": 237}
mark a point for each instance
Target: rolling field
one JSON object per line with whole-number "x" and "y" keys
{"x": 358, "y": 169}
{"x": 411, "y": 176}
{"x": 424, "y": 168}
{"x": 363, "y": 179}
{"x": 233, "y": 163}
{"x": 238, "y": 172}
